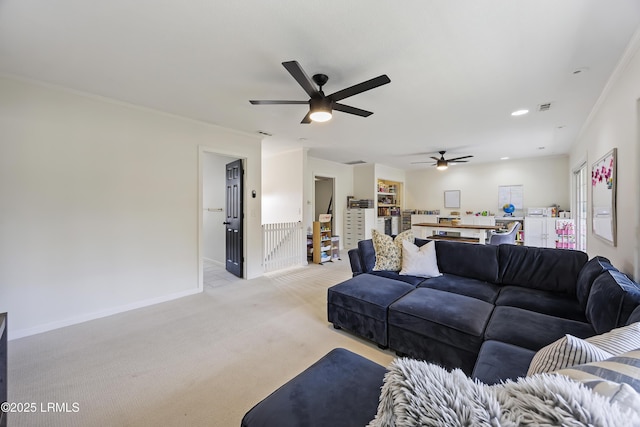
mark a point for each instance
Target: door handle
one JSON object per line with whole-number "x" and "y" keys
{"x": 226, "y": 223}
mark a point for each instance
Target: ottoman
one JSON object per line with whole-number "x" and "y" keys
{"x": 340, "y": 390}
{"x": 439, "y": 327}
{"x": 360, "y": 305}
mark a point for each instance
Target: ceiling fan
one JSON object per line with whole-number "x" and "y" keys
{"x": 442, "y": 163}
{"x": 321, "y": 105}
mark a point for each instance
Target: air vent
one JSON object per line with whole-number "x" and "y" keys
{"x": 544, "y": 107}
{"x": 355, "y": 162}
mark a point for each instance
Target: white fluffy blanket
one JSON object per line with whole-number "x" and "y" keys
{"x": 417, "y": 393}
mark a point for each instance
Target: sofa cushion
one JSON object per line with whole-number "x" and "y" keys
{"x": 499, "y": 361}
{"x": 565, "y": 352}
{"x": 547, "y": 269}
{"x": 635, "y": 316}
{"x": 389, "y": 250}
{"x": 367, "y": 255}
{"x": 592, "y": 269}
{"x": 419, "y": 261}
{"x": 552, "y": 303}
{"x": 474, "y": 288}
{"x": 612, "y": 299}
{"x": 412, "y": 280}
{"x": 473, "y": 261}
{"x": 341, "y": 389}
{"x": 531, "y": 330}
{"x": 367, "y": 294}
{"x": 450, "y": 318}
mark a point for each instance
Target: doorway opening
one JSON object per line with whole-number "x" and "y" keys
{"x": 217, "y": 203}
{"x": 324, "y": 198}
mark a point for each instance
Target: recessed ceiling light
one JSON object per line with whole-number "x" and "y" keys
{"x": 504, "y": 158}
{"x": 519, "y": 112}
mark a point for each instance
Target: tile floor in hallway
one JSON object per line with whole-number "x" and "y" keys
{"x": 215, "y": 275}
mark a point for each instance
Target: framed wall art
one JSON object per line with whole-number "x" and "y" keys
{"x": 452, "y": 199}
{"x": 603, "y": 197}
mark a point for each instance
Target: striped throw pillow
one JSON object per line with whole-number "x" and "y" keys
{"x": 565, "y": 352}
{"x": 622, "y": 369}
{"x": 619, "y": 340}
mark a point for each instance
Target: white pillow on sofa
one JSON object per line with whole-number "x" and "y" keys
{"x": 419, "y": 261}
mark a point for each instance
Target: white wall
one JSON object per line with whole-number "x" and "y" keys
{"x": 545, "y": 182}
{"x": 213, "y": 198}
{"x": 283, "y": 187}
{"x": 100, "y": 205}
{"x": 614, "y": 123}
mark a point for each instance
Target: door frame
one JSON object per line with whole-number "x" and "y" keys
{"x": 333, "y": 194}
{"x": 202, "y": 150}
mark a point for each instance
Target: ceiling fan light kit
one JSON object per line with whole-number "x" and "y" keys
{"x": 321, "y": 106}
{"x": 320, "y": 109}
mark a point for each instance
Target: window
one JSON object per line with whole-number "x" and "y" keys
{"x": 580, "y": 199}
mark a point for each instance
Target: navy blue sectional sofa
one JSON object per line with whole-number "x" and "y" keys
{"x": 488, "y": 314}
{"x": 503, "y": 300}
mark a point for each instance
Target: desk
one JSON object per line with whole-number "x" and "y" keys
{"x": 478, "y": 233}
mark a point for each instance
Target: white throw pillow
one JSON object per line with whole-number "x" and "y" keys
{"x": 565, "y": 352}
{"x": 419, "y": 261}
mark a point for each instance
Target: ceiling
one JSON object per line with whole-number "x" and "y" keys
{"x": 458, "y": 68}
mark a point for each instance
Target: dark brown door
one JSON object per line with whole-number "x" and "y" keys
{"x": 234, "y": 215}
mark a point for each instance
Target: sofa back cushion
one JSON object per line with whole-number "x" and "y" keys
{"x": 592, "y": 269}
{"x": 635, "y": 316}
{"x": 540, "y": 268}
{"x": 612, "y": 299}
{"x": 367, "y": 255}
{"x": 463, "y": 259}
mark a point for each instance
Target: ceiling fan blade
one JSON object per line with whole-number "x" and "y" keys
{"x": 307, "y": 118}
{"x": 458, "y": 158}
{"x": 415, "y": 163}
{"x": 301, "y": 77}
{"x": 458, "y": 161}
{"x": 254, "y": 102}
{"x": 435, "y": 158}
{"x": 351, "y": 110}
{"x": 360, "y": 87}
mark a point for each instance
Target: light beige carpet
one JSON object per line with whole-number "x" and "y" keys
{"x": 202, "y": 360}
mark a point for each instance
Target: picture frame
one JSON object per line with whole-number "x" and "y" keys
{"x": 603, "y": 197}
{"x": 452, "y": 199}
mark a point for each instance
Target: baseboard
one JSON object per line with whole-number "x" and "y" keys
{"x": 21, "y": 333}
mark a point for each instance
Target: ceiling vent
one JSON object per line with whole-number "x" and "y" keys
{"x": 544, "y": 107}
{"x": 355, "y": 162}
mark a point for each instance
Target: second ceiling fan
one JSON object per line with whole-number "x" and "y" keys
{"x": 321, "y": 105}
{"x": 442, "y": 163}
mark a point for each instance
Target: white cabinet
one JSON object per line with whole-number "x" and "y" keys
{"x": 548, "y": 232}
{"x": 540, "y": 232}
{"x": 357, "y": 226}
{"x": 478, "y": 220}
